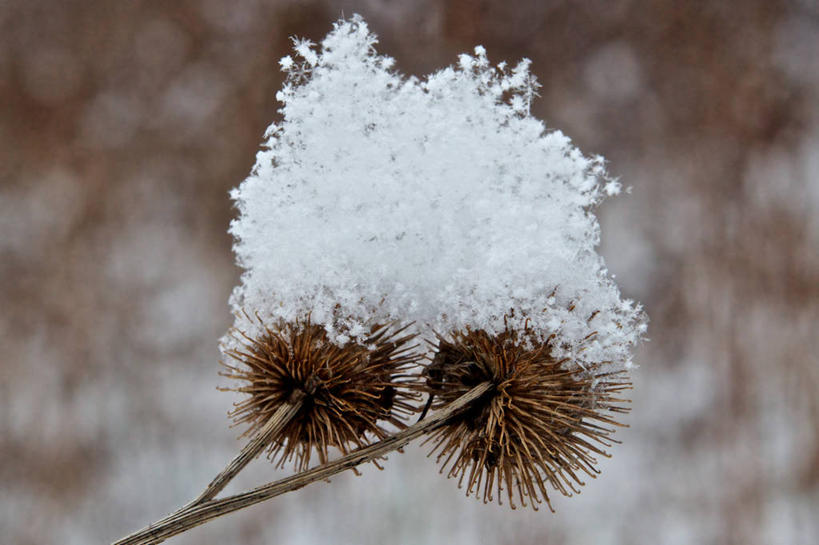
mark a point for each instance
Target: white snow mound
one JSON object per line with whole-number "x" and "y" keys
{"x": 439, "y": 200}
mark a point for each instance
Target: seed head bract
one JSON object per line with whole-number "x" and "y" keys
{"x": 541, "y": 427}
{"x": 349, "y": 392}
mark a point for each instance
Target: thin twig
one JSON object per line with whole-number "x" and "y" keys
{"x": 199, "y": 514}
{"x": 272, "y": 427}
{"x": 278, "y": 420}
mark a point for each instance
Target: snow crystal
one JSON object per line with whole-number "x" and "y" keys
{"x": 440, "y": 201}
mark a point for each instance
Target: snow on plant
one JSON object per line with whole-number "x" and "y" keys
{"x": 440, "y": 201}
{"x": 384, "y": 209}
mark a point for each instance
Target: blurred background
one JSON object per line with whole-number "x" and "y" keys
{"x": 124, "y": 124}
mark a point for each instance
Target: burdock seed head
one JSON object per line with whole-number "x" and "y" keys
{"x": 347, "y": 391}
{"x": 540, "y": 426}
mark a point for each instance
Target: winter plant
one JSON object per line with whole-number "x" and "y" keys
{"x": 413, "y": 244}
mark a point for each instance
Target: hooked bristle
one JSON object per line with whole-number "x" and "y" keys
{"x": 543, "y": 423}
{"x": 348, "y": 391}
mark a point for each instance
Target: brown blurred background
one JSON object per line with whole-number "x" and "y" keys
{"x": 124, "y": 124}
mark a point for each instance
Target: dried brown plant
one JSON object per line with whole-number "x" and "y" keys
{"x": 347, "y": 392}
{"x": 543, "y": 422}
{"x": 507, "y": 412}
{"x": 203, "y": 510}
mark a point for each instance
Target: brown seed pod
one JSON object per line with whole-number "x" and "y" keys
{"x": 349, "y": 391}
{"x": 543, "y": 422}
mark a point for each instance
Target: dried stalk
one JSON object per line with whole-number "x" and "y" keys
{"x": 271, "y": 429}
{"x": 195, "y": 515}
{"x": 278, "y": 420}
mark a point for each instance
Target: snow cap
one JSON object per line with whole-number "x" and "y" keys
{"x": 439, "y": 200}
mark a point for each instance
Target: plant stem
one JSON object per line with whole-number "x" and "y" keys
{"x": 272, "y": 427}
{"x": 278, "y": 420}
{"x": 195, "y": 515}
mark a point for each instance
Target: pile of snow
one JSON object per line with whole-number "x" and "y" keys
{"x": 439, "y": 200}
